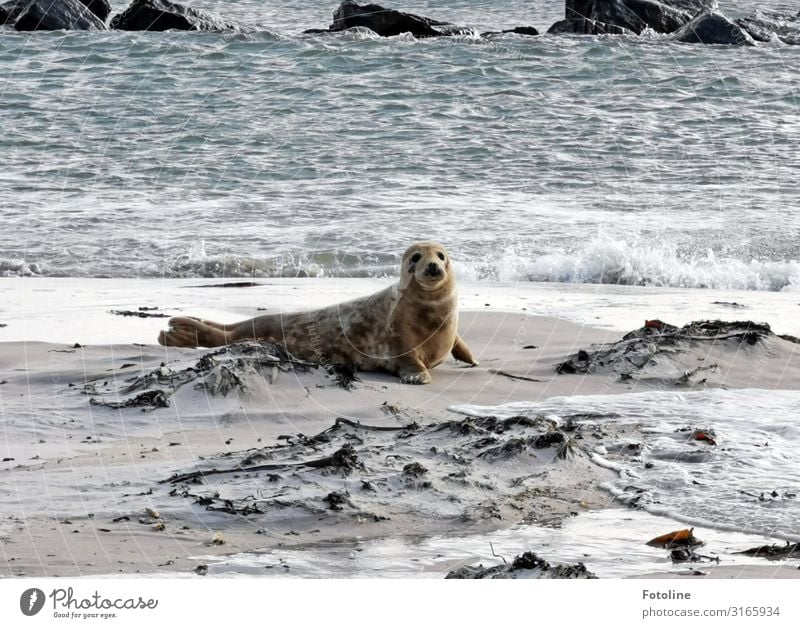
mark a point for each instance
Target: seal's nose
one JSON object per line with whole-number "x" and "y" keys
{"x": 433, "y": 270}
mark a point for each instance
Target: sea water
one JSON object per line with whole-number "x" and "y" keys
{"x": 266, "y": 152}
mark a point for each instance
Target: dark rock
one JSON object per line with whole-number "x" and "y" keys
{"x": 101, "y": 8}
{"x": 528, "y": 565}
{"x": 162, "y": 15}
{"x": 522, "y": 30}
{"x": 388, "y": 22}
{"x": 695, "y": 7}
{"x": 765, "y": 25}
{"x": 518, "y": 30}
{"x": 10, "y": 11}
{"x": 577, "y": 26}
{"x": 713, "y": 28}
{"x": 54, "y": 15}
{"x": 662, "y": 16}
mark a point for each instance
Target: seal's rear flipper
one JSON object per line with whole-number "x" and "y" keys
{"x": 191, "y": 332}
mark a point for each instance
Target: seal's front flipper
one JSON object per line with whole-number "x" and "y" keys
{"x": 414, "y": 372}
{"x": 420, "y": 377}
{"x": 462, "y": 353}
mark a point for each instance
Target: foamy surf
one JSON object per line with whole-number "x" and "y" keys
{"x": 640, "y": 263}
{"x": 603, "y": 260}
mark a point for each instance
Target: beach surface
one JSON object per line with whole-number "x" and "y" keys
{"x": 123, "y": 457}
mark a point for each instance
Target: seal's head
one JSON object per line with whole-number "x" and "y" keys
{"x": 426, "y": 264}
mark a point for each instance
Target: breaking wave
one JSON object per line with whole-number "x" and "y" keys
{"x": 606, "y": 261}
{"x": 600, "y": 261}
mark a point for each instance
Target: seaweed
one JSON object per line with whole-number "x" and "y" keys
{"x": 388, "y": 465}
{"x": 142, "y": 312}
{"x": 525, "y": 565}
{"x": 639, "y": 348}
{"x": 149, "y": 400}
{"x": 774, "y": 552}
{"x": 343, "y": 460}
{"x": 345, "y": 375}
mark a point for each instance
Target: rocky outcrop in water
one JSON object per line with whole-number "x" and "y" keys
{"x": 53, "y": 15}
{"x": 528, "y": 565}
{"x": 388, "y": 22}
{"x": 162, "y": 15}
{"x": 10, "y": 11}
{"x": 101, "y": 8}
{"x": 765, "y": 25}
{"x": 518, "y": 30}
{"x": 581, "y": 26}
{"x": 623, "y": 16}
{"x": 713, "y": 28}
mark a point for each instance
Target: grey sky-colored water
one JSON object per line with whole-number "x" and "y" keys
{"x": 269, "y": 153}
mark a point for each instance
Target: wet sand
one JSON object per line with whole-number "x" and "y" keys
{"x": 298, "y": 459}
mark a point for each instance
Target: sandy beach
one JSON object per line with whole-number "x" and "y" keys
{"x": 124, "y": 457}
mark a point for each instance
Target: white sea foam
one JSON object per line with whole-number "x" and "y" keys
{"x": 19, "y": 268}
{"x": 603, "y": 260}
{"x": 640, "y": 263}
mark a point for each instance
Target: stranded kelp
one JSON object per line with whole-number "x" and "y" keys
{"x": 459, "y": 472}
{"x": 682, "y": 356}
{"x": 527, "y": 565}
{"x": 218, "y": 372}
{"x": 774, "y": 552}
{"x": 141, "y": 312}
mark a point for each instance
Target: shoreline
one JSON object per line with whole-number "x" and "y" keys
{"x": 61, "y": 310}
{"x": 83, "y": 476}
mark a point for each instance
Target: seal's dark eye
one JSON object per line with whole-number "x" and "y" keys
{"x": 441, "y": 255}
{"x": 416, "y": 258}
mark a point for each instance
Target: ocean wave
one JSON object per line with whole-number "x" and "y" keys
{"x": 600, "y": 261}
{"x": 607, "y": 261}
{"x": 19, "y": 268}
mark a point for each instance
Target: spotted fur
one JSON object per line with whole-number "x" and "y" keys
{"x": 406, "y": 329}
